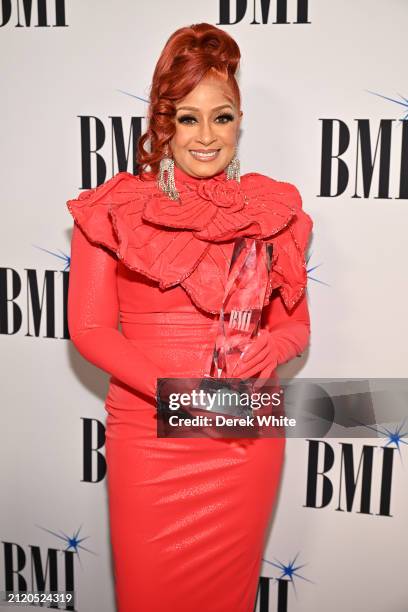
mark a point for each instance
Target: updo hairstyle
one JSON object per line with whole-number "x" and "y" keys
{"x": 190, "y": 54}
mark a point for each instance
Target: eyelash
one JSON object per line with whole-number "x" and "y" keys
{"x": 185, "y": 119}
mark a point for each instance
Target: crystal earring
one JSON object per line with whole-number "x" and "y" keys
{"x": 233, "y": 169}
{"x": 166, "y": 176}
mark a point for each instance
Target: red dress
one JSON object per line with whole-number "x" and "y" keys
{"x": 188, "y": 516}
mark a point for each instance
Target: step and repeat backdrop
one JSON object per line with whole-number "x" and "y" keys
{"x": 325, "y": 102}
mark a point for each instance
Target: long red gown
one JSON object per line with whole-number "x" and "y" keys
{"x": 188, "y": 516}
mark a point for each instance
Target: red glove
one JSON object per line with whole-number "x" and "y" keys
{"x": 285, "y": 336}
{"x": 259, "y": 357}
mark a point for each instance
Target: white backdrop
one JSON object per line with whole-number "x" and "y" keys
{"x": 337, "y": 70}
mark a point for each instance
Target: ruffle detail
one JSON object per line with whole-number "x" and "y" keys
{"x": 189, "y": 241}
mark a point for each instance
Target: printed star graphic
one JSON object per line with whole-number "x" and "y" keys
{"x": 403, "y": 103}
{"x": 133, "y": 96}
{"x": 62, "y": 256}
{"x": 73, "y": 542}
{"x": 308, "y": 270}
{"x": 394, "y": 437}
{"x": 289, "y": 571}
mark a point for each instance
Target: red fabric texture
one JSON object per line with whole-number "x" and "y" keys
{"x": 188, "y": 517}
{"x": 188, "y": 242}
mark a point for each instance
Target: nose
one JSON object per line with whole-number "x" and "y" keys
{"x": 205, "y": 134}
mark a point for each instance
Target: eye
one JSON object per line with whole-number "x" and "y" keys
{"x": 186, "y": 119}
{"x": 225, "y": 118}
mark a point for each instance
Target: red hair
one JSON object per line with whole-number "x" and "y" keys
{"x": 189, "y": 55}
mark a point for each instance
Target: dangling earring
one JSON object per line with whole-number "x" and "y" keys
{"x": 166, "y": 176}
{"x": 233, "y": 169}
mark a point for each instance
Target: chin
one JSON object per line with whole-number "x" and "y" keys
{"x": 206, "y": 170}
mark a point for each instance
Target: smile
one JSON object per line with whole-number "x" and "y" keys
{"x": 203, "y": 155}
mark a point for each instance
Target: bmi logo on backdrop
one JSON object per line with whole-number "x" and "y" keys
{"x": 262, "y": 12}
{"x": 52, "y": 13}
{"x": 37, "y": 14}
{"x": 35, "y": 314}
{"x": 93, "y": 129}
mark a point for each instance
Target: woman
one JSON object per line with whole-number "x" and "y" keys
{"x": 188, "y": 517}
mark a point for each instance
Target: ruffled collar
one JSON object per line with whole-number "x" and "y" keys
{"x": 216, "y": 209}
{"x": 189, "y": 241}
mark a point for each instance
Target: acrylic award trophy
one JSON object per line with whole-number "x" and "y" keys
{"x": 239, "y": 321}
{"x": 222, "y": 396}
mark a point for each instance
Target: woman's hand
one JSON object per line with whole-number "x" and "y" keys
{"x": 259, "y": 358}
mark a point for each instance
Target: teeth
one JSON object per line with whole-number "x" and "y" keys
{"x": 203, "y": 155}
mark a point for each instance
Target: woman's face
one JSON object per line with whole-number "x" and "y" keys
{"x": 207, "y": 125}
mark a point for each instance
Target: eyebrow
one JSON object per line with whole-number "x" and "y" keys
{"x": 193, "y": 108}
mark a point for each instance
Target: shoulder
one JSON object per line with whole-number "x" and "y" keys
{"x": 121, "y": 182}
{"x": 262, "y": 184}
{"x": 280, "y": 195}
{"x": 282, "y": 200}
{"x": 122, "y": 188}
{"x": 96, "y": 210}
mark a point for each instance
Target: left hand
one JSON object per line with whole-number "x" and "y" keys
{"x": 259, "y": 357}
